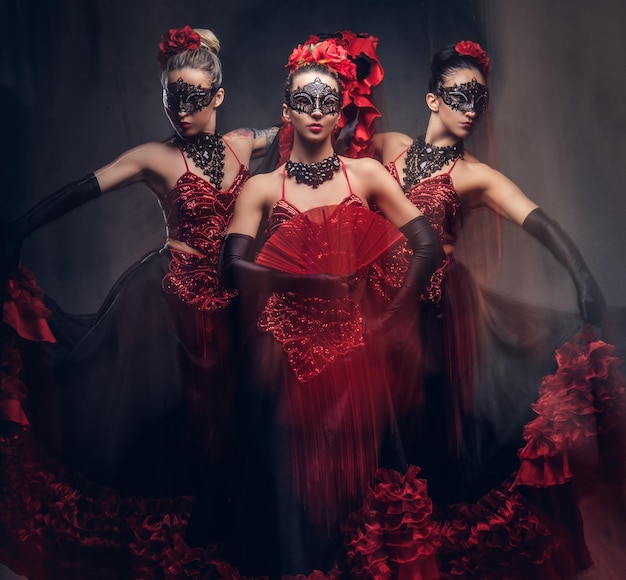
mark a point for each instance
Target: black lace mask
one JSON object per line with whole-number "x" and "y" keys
{"x": 469, "y": 97}
{"x": 181, "y": 97}
{"x": 315, "y": 96}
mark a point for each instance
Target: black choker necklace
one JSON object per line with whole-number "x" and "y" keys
{"x": 313, "y": 174}
{"x": 424, "y": 159}
{"x": 207, "y": 152}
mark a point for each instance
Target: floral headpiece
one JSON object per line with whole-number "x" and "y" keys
{"x": 177, "y": 40}
{"x": 328, "y": 53}
{"x": 473, "y": 49}
{"x": 353, "y": 58}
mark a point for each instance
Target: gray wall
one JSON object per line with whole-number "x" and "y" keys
{"x": 79, "y": 85}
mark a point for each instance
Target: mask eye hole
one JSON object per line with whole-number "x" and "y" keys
{"x": 330, "y": 104}
{"x": 458, "y": 98}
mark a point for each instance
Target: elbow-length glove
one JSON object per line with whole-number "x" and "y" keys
{"x": 46, "y": 211}
{"x": 590, "y": 299}
{"x": 427, "y": 256}
{"x": 237, "y": 270}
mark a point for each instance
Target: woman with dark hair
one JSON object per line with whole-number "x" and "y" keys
{"x": 314, "y": 401}
{"x": 137, "y": 397}
{"x": 465, "y": 378}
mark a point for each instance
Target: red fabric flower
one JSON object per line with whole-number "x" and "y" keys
{"x": 328, "y": 53}
{"x": 473, "y": 49}
{"x": 177, "y": 40}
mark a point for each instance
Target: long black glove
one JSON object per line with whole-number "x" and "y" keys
{"x": 590, "y": 299}
{"x": 427, "y": 256}
{"x": 46, "y": 211}
{"x": 237, "y": 270}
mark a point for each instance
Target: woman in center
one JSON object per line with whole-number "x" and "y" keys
{"x": 315, "y": 405}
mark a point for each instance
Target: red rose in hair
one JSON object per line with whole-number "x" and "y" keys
{"x": 473, "y": 49}
{"x": 327, "y": 52}
{"x": 177, "y": 40}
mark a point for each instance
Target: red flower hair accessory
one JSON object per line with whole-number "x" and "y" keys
{"x": 177, "y": 40}
{"x": 473, "y": 49}
{"x": 353, "y": 57}
{"x": 328, "y": 53}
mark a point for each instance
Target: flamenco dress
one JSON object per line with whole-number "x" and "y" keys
{"x": 129, "y": 404}
{"x": 314, "y": 404}
{"x": 499, "y": 433}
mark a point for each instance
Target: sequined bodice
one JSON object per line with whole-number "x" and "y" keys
{"x": 198, "y": 214}
{"x": 437, "y": 199}
{"x": 283, "y": 211}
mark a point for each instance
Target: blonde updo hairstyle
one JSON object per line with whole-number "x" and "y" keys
{"x": 202, "y": 58}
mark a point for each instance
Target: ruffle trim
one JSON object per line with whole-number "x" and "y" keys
{"x": 579, "y": 404}
{"x": 393, "y": 530}
{"x": 399, "y": 534}
{"x": 44, "y": 507}
{"x": 24, "y": 309}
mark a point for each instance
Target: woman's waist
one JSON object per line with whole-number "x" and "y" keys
{"x": 181, "y": 246}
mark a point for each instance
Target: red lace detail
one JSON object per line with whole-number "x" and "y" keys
{"x": 432, "y": 292}
{"x": 387, "y": 275}
{"x": 312, "y": 331}
{"x": 585, "y": 398}
{"x": 194, "y": 280}
{"x": 199, "y": 215}
{"x": 436, "y": 198}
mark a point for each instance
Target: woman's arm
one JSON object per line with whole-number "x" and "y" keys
{"x": 505, "y": 197}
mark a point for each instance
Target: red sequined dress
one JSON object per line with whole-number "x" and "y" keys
{"x": 317, "y": 415}
{"x": 135, "y": 398}
{"x": 493, "y": 425}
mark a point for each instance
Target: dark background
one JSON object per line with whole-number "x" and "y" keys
{"x": 79, "y": 84}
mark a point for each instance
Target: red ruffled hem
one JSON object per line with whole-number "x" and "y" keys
{"x": 394, "y": 530}
{"x": 24, "y": 315}
{"x": 400, "y": 534}
{"x": 583, "y": 401}
{"x": 45, "y": 508}
{"x": 24, "y": 309}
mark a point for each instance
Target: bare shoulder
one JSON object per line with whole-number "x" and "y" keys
{"x": 364, "y": 167}
{"x": 263, "y": 189}
{"x": 390, "y": 145}
{"x": 478, "y": 182}
{"x": 153, "y": 153}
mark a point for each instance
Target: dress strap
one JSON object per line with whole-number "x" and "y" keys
{"x": 452, "y": 166}
{"x": 284, "y": 179}
{"x": 184, "y": 158}
{"x": 232, "y": 151}
{"x": 403, "y": 152}
{"x": 343, "y": 167}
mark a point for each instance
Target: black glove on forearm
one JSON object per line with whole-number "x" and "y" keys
{"x": 590, "y": 299}
{"x": 427, "y": 255}
{"x": 237, "y": 270}
{"x": 49, "y": 209}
